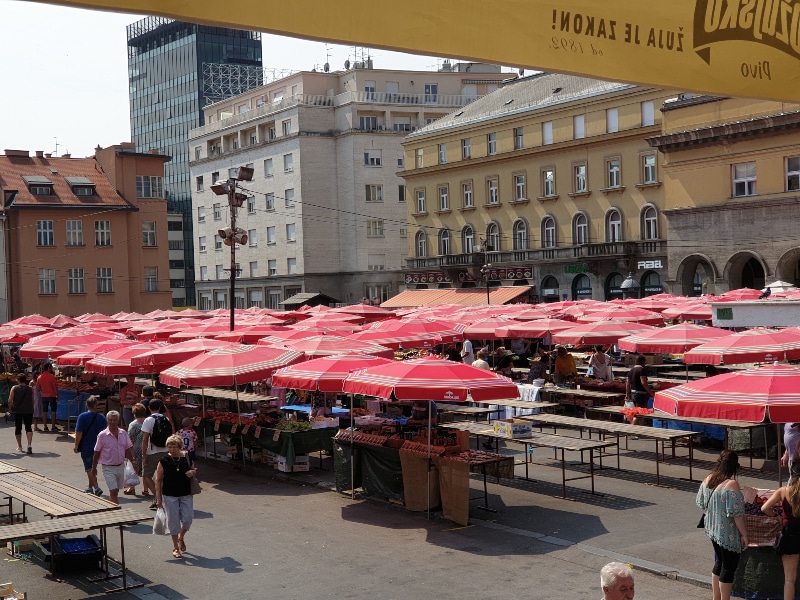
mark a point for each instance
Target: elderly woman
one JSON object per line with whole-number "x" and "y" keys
{"x": 139, "y": 412}
{"x": 174, "y": 492}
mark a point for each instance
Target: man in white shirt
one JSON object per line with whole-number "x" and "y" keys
{"x": 481, "y": 362}
{"x": 467, "y": 354}
{"x": 151, "y": 455}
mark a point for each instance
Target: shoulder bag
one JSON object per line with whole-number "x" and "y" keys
{"x": 702, "y": 523}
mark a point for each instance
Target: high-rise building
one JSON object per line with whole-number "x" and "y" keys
{"x": 174, "y": 70}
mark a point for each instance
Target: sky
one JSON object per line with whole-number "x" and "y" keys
{"x": 65, "y": 75}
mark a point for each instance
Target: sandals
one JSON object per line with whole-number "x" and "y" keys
{"x": 129, "y": 492}
{"x": 145, "y": 493}
{"x": 182, "y": 545}
{"x": 177, "y": 553}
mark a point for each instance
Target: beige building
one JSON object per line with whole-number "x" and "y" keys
{"x": 732, "y": 184}
{"x": 326, "y": 210}
{"x": 84, "y": 234}
{"x": 549, "y": 180}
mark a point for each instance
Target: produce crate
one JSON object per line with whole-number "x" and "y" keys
{"x": 513, "y": 428}
{"x": 71, "y": 554}
{"x": 325, "y": 423}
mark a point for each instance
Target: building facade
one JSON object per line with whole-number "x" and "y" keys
{"x": 326, "y": 210}
{"x": 174, "y": 70}
{"x": 732, "y": 185}
{"x": 550, "y": 181}
{"x": 84, "y": 234}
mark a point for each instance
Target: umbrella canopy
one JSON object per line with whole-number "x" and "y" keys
{"x": 691, "y": 311}
{"x": 673, "y": 339}
{"x": 56, "y": 343}
{"x": 365, "y": 311}
{"x": 230, "y": 366}
{"x": 34, "y": 319}
{"x": 118, "y": 362}
{"x": 78, "y": 358}
{"x": 769, "y": 391}
{"x": 328, "y": 345}
{"x": 602, "y": 332}
{"x": 60, "y": 321}
{"x": 430, "y": 379}
{"x": 200, "y": 331}
{"x": 533, "y": 329}
{"x": 445, "y": 330}
{"x": 533, "y": 314}
{"x": 485, "y": 329}
{"x": 755, "y": 345}
{"x": 622, "y": 313}
{"x": 164, "y": 356}
{"x": 326, "y": 374}
{"x": 250, "y": 335}
{"x": 397, "y": 340}
{"x": 740, "y": 294}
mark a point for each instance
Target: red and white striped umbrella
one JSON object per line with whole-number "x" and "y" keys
{"x": 118, "y": 362}
{"x": 329, "y": 345}
{"x": 486, "y": 329}
{"x": 79, "y": 357}
{"x": 326, "y": 374}
{"x": 230, "y": 366}
{"x": 250, "y": 335}
{"x": 690, "y": 311}
{"x": 533, "y": 329}
{"x": 740, "y": 294}
{"x": 621, "y": 313}
{"x": 397, "y": 339}
{"x": 61, "y": 341}
{"x": 602, "y": 332}
{"x": 168, "y": 355}
{"x": 673, "y": 339}
{"x": 754, "y": 345}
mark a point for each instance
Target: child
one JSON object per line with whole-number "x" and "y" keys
{"x": 189, "y": 437}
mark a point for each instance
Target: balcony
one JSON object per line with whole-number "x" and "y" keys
{"x": 449, "y": 100}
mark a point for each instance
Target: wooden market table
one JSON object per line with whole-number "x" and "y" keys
{"x": 469, "y": 411}
{"x": 521, "y": 404}
{"x": 588, "y": 397}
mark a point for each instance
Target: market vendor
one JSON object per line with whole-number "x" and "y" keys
{"x": 503, "y": 362}
{"x": 129, "y": 395}
{"x": 423, "y": 410}
{"x": 538, "y": 369}
{"x": 564, "y": 367}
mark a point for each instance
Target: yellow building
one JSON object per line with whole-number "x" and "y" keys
{"x": 550, "y": 181}
{"x": 732, "y": 184}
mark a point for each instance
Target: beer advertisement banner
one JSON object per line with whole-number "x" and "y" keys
{"x": 748, "y": 48}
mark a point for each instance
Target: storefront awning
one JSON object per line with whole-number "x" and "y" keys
{"x": 465, "y": 297}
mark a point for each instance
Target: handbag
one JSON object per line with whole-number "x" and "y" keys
{"x": 195, "y": 486}
{"x": 701, "y": 524}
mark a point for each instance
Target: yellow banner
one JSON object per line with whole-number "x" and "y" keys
{"x": 748, "y": 48}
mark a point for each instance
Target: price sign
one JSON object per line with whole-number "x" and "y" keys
{"x": 245, "y": 429}
{"x": 197, "y": 421}
{"x": 277, "y": 435}
{"x": 216, "y": 425}
{"x": 233, "y": 429}
{"x": 258, "y": 432}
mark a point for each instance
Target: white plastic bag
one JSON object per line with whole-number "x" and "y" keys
{"x": 629, "y": 404}
{"x": 160, "y": 522}
{"x": 131, "y": 478}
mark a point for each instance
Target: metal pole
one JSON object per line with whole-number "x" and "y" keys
{"x": 232, "y": 204}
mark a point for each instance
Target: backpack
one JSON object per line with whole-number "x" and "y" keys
{"x": 162, "y": 429}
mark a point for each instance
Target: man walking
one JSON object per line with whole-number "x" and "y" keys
{"x": 87, "y": 428}
{"x": 20, "y": 402}
{"x": 49, "y": 387}
{"x": 113, "y": 446}
{"x": 155, "y": 431}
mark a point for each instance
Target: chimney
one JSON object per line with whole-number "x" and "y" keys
{"x": 66, "y": 156}
{"x": 18, "y": 153}
{"x": 40, "y": 154}
{"x": 48, "y": 155}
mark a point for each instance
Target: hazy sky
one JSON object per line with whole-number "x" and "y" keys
{"x": 64, "y": 73}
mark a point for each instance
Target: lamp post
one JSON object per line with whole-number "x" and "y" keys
{"x": 233, "y": 235}
{"x": 486, "y": 268}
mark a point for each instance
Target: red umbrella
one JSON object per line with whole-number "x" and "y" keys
{"x": 77, "y": 358}
{"x": 200, "y": 331}
{"x": 230, "y": 366}
{"x": 364, "y": 311}
{"x": 602, "y": 332}
{"x": 755, "y": 345}
{"x": 279, "y": 338}
{"x": 34, "y": 319}
{"x": 690, "y": 311}
{"x": 769, "y": 391}
{"x": 740, "y": 294}
{"x": 326, "y": 374}
{"x": 485, "y": 329}
{"x": 161, "y": 330}
{"x": 250, "y": 335}
{"x": 327, "y": 345}
{"x": 657, "y": 303}
{"x": 622, "y": 313}
{"x": 118, "y": 362}
{"x": 397, "y": 340}
{"x": 446, "y": 331}
{"x": 533, "y": 314}
{"x": 164, "y": 356}
{"x": 60, "y": 321}
{"x": 56, "y": 343}
{"x": 673, "y": 339}
{"x": 533, "y": 329}
{"x": 430, "y": 379}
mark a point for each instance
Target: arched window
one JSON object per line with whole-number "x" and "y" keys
{"x": 649, "y": 223}
{"x": 651, "y": 284}
{"x": 580, "y": 226}
{"x": 468, "y": 239}
{"x": 613, "y": 226}
{"x": 444, "y": 242}
{"x": 520, "y": 235}
{"x": 548, "y": 232}
{"x": 493, "y": 237}
{"x": 422, "y": 244}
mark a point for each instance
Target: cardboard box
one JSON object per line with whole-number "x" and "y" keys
{"x": 301, "y": 463}
{"x": 325, "y": 423}
{"x": 281, "y": 465}
{"x": 513, "y": 428}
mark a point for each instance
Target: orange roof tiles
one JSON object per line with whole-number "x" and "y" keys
{"x": 464, "y": 297}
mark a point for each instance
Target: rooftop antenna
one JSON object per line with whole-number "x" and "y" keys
{"x": 55, "y": 152}
{"x": 327, "y": 66}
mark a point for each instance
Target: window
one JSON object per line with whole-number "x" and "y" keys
{"x": 272, "y": 267}
{"x": 793, "y": 174}
{"x": 175, "y": 245}
{"x": 288, "y": 163}
{"x": 198, "y": 153}
{"x": 368, "y": 123}
{"x": 418, "y": 158}
{"x": 401, "y": 162}
{"x": 431, "y": 91}
{"x": 215, "y": 177}
{"x": 468, "y": 239}
{"x": 649, "y": 168}
{"x": 442, "y": 154}
{"x": 75, "y": 279}
{"x": 201, "y": 214}
{"x": 369, "y": 90}
{"x": 201, "y": 243}
{"x": 217, "y": 211}
{"x": 270, "y": 201}
{"x": 149, "y": 234}
{"x": 649, "y": 223}
{"x": 45, "y": 235}
{"x": 375, "y": 228}
{"x": 253, "y": 268}
{"x": 217, "y": 242}
{"x": 286, "y": 126}
{"x": 613, "y": 171}
{"x": 377, "y": 293}
{"x": 149, "y": 186}
{"x": 105, "y": 280}
{"x": 256, "y": 298}
{"x": 221, "y": 300}
{"x": 291, "y": 235}
{"x": 466, "y": 194}
{"x": 204, "y": 273}
{"x": 288, "y": 197}
{"x": 547, "y": 133}
{"x": 403, "y": 232}
{"x": 175, "y": 225}
{"x": 613, "y": 226}
{"x": 466, "y": 148}
{"x": 198, "y": 183}
{"x": 744, "y": 179}
{"x": 219, "y": 272}
{"x": 151, "y": 279}
{"x": 493, "y": 237}
{"x": 204, "y": 301}
{"x": 444, "y": 242}
{"x": 491, "y": 144}
{"x": 270, "y": 235}
{"x": 648, "y": 113}
{"x": 268, "y": 169}
{"x": 177, "y": 264}
{"x": 74, "y": 233}
{"x": 520, "y": 235}
{"x": 581, "y": 232}
{"x": 612, "y": 120}
{"x": 291, "y": 266}
{"x": 492, "y": 191}
{"x": 401, "y": 193}
{"x": 578, "y": 127}
{"x": 83, "y": 190}
{"x": 421, "y": 244}
{"x": 519, "y": 139}
{"x": 376, "y": 262}
{"x": 41, "y": 190}
{"x": 251, "y": 205}
{"x": 102, "y": 233}
{"x": 420, "y": 201}
{"x": 372, "y": 158}
{"x": 548, "y": 232}
{"x": 47, "y": 281}
{"x": 274, "y": 299}
{"x": 580, "y": 179}
{"x": 271, "y": 135}
{"x": 444, "y": 200}
{"x": 548, "y": 182}
{"x": 252, "y": 237}
{"x": 374, "y": 193}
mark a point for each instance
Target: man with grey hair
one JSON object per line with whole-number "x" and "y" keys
{"x": 113, "y": 446}
{"x": 616, "y": 579}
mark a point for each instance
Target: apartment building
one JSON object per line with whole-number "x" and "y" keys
{"x": 84, "y": 234}
{"x": 326, "y": 210}
{"x": 550, "y": 181}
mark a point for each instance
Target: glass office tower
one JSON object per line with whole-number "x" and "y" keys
{"x": 166, "y": 60}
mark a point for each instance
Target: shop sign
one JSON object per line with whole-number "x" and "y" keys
{"x": 653, "y": 289}
{"x": 426, "y": 278}
{"x": 650, "y": 264}
{"x": 511, "y": 273}
{"x": 584, "y": 292}
{"x": 724, "y": 313}
{"x": 614, "y": 290}
{"x": 570, "y": 269}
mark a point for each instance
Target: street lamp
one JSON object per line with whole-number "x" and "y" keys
{"x": 233, "y": 235}
{"x": 487, "y": 267}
